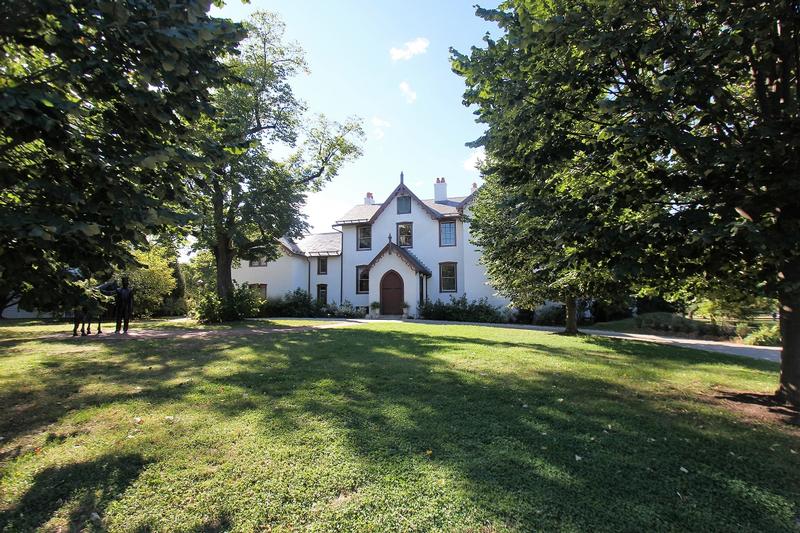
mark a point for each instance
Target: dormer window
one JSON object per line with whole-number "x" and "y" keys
{"x": 403, "y": 205}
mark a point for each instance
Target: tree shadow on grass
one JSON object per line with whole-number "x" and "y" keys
{"x": 538, "y": 448}
{"x": 84, "y": 488}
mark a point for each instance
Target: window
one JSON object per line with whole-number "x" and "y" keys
{"x": 322, "y": 294}
{"x": 322, "y": 265}
{"x": 362, "y": 280}
{"x": 447, "y": 233}
{"x": 404, "y": 237}
{"x": 260, "y": 262}
{"x": 259, "y": 288}
{"x": 364, "y": 237}
{"x": 403, "y": 205}
{"x": 447, "y": 277}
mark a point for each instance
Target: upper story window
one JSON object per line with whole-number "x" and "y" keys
{"x": 447, "y": 233}
{"x": 404, "y": 235}
{"x": 322, "y": 265}
{"x": 403, "y": 205}
{"x": 447, "y": 277}
{"x": 260, "y": 262}
{"x": 364, "y": 237}
{"x": 362, "y": 280}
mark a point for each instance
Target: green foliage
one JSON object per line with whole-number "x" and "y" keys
{"x": 765, "y": 335}
{"x": 249, "y": 198}
{"x": 297, "y": 304}
{"x": 733, "y": 305}
{"x": 96, "y": 103}
{"x": 152, "y": 281}
{"x": 661, "y": 136}
{"x": 200, "y": 274}
{"x": 346, "y": 310}
{"x": 461, "y": 310}
{"x": 243, "y": 302}
{"x": 671, "y": 323}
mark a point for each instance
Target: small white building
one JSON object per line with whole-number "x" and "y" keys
{"x": 402, "y": 251}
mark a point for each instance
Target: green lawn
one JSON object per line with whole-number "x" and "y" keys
{"x": 387, "y": 427}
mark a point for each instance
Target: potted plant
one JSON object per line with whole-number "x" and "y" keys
{"x": 405, "y": 309}
{"x": 375, "y": 309}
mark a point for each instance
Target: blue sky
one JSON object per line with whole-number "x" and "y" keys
{"x": 387, "y": 63}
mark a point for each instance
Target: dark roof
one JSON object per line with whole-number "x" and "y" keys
{"x": 410, "y": 259}
{"x": 315, "y": 244}
{"x": 366, "y": 213}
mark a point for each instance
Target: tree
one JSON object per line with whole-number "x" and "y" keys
{"x": 97, "y": 98}
{"x": 532, "y": 249}
{"x": 152, "y": 280}
{"x": 695, "y": 113}
{"x": 247, "y": 198}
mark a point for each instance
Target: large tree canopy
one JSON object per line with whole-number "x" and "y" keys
{"x": 679, "y": 119}
{"x": 97, "y": 98}
{"x": 248, "y": 197}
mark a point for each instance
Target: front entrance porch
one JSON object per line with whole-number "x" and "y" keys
{"x": 397, "y": 281}
{"x": 391, "y": 294}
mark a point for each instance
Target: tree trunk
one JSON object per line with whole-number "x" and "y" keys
{"x": 224, "y": 260}
{"x": 790, "y": 353}
{"x": 572, "y": 316}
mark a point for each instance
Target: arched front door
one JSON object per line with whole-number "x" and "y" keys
{"x": 391, "y": 294}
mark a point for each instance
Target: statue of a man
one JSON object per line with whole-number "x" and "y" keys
{"x": 123, "y": 308}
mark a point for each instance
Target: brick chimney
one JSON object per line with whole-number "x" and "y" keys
{"x": 440, "y": 190}
{"x": 368, "y": 199}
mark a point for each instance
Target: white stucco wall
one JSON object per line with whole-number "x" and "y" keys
{"x": 476, "y": 283}
{"x": 290, "y": 272}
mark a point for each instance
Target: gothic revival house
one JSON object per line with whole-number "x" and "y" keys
{"x": 401, "y": 251}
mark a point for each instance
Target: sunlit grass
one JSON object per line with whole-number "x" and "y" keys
{"x": 387, "y": 427}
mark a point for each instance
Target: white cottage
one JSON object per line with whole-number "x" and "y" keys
{"x": 401, "y": 251}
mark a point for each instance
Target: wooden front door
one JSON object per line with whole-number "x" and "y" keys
{"x": 391, "y": 294}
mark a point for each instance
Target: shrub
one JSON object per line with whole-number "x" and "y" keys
{"x": 461, "y": 310}
{"x": 173, "y": 306}
{"x": 206, "y": 307}
{"x": 742, "y": 330}
{"x": 346, "y": 310}
{"x": 550, "y": 315}
{"x": 766, "y": 335}
{"x": 243, "y": 302}
{"x": 297, "y": 303}
{"x": 152, "y": 281}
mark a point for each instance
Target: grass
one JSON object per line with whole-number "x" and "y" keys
{"x": 29, "y": 328}
{"x": 387, "y": 427}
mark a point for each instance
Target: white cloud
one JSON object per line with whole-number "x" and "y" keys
{"x": 408, "y": 92}
{"x": 410, "y": 49}
{"x": 475, "y": 159}
{"x": 379, "y": 126}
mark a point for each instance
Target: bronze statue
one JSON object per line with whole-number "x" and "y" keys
{"x": 123, "y": 305}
